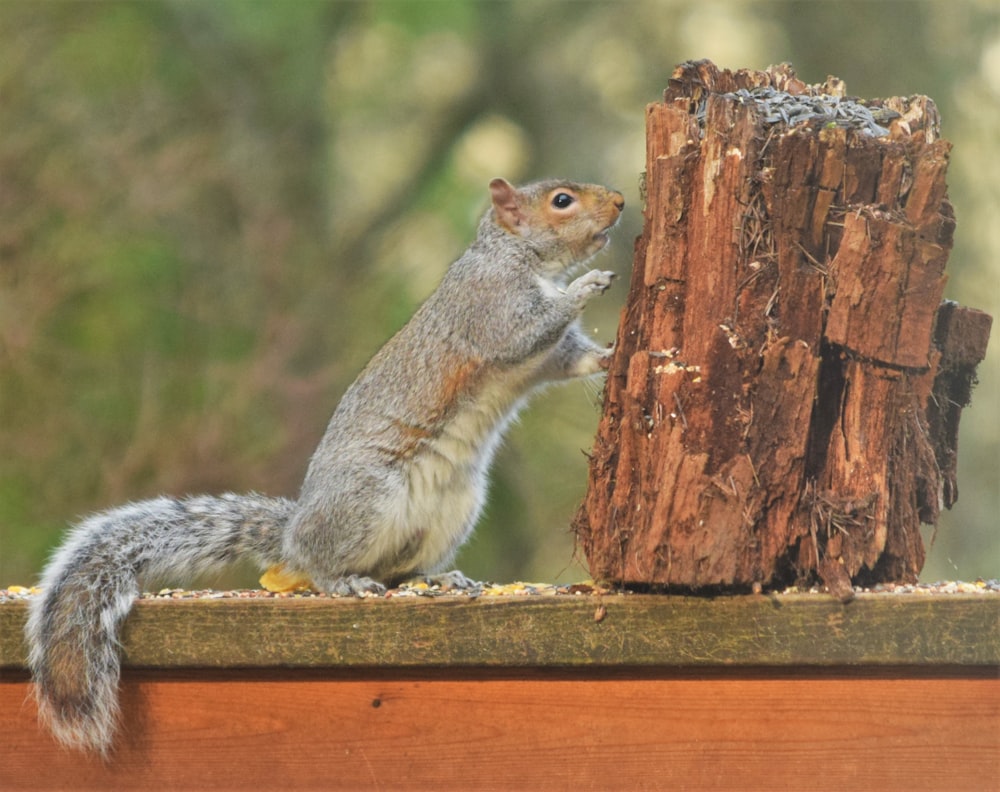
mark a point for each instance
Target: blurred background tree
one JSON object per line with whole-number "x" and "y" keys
{"x": 213, "y": 213}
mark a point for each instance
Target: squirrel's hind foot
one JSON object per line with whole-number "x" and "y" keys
{"x": 450, "y": 580}
{"x": 354, "y": 586}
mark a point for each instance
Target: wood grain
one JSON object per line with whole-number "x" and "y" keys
{"x": 514, "y": 632}
{"x": 760, "y": 692}
{"x": 306, "y": 730}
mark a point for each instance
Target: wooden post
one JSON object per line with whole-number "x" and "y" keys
{"x": 784, "y": 397}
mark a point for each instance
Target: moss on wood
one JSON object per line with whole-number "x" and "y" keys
{"x": 582, "y": 631}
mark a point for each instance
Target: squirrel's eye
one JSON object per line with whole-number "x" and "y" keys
{"x": 562, "y": 200}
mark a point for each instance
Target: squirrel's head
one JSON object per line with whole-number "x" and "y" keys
{"x": 565, "y": 222}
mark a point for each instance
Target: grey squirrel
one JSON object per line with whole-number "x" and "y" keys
{"x": 399, "y": 478}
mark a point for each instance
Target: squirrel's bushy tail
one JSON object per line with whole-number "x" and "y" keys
{"x": 90, "y": 584}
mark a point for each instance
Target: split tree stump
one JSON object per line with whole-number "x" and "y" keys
{"x": 784, "y": 397}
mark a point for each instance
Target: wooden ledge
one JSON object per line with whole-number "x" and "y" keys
{"x": 558, "y": 631}
{"x": 889, "y": 692}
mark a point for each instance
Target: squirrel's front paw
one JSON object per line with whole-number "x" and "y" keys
{"x": 592, "y": 283}
{"x": 604, "y": 360}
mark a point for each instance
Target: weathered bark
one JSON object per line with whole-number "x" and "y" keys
{"x": 784, "y": 397}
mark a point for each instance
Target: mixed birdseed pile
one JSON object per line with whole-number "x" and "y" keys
{"x": 821, "y": 109}
{"x": 520, "y": 589}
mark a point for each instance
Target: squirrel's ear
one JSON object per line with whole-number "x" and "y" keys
{"x": 505, "y": 208}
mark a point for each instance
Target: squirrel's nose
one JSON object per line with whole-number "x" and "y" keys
{"x": 619, "y": 201}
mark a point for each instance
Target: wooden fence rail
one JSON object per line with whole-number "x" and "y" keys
{"x": 611, "y": 692}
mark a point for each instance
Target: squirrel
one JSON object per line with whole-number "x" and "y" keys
{"x": 399, "y": 478}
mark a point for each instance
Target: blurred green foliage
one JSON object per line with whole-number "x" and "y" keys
{"x": 212, "y": 214}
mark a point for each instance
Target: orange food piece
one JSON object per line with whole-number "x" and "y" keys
{"x": 279, "y": 580}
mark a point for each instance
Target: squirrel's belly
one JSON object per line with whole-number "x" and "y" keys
{"x": 447, "y": 483}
